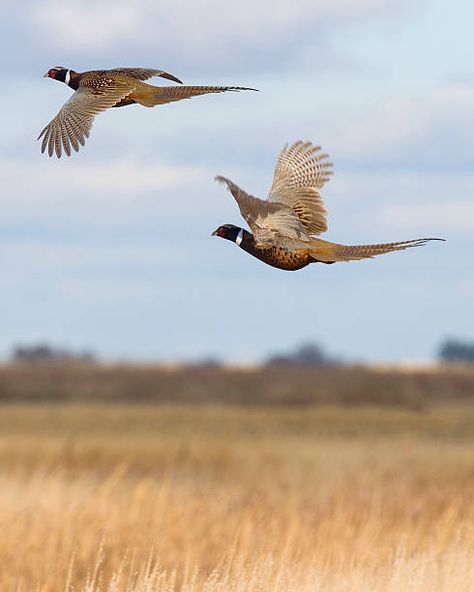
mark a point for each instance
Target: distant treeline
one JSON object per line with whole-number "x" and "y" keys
{"x": 307, "y": 354}
{"x": 42, "y": 352}
{"x": 277, "y": 384}
{"x": 454, "y": 350}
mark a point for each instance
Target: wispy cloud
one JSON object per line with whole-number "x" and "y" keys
{"x": 100, "y": 193}
{"x": 197, "y": 30}
{"x": 434, "y": 131}
{"x": 396, "y": 205}
{"x": 116, "y": 177}
{"x": 455, "y": 217}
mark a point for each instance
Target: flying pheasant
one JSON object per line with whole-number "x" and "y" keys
{"x": 284, "y": 225}
{"x": 98, "y": 90}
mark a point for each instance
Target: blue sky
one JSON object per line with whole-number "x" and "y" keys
{"x": 111, "y": 249}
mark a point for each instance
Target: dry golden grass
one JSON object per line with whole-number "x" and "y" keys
{"x": 147, "y": 499}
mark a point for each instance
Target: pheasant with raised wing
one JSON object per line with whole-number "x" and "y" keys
{"x": 284, "y": 226}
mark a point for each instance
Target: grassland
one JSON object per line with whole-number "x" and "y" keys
{"x": 236, "y": 499}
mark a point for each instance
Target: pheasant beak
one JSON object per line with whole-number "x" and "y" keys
{"x": 215, "y": 233}
{"x": 46, "y": 75}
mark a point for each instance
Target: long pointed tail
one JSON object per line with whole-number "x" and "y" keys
{"x": 330, "y": 252}
{"x": 149, "y": 96}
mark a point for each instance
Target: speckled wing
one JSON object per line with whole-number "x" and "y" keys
{"x": 266, "y": 220}
{"x": 73, "y": 123}
{"x": 300, "y": 171}
{"x": 144, "y": 73}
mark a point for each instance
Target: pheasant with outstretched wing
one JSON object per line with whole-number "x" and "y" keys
{"x": 98, "y": 90}
{"x": 284, "y": 226}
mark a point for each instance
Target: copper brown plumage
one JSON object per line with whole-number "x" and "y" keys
{"x": 284, "y": 225}
{"x": 98, "y": 90}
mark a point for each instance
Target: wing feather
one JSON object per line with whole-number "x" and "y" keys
{"x": 266, "y": 220}
{"x": 73, "y": 123}
{"x": 145, "y": 73}
{"x": 301, "y": 170}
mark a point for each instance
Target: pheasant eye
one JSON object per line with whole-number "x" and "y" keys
{"x": 52, "y": 73}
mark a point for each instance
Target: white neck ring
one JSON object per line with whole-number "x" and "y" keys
{"x": 240, "y": 237}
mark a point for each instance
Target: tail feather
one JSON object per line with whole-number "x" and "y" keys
{"x": 149, "y": 95}
{"x": 330, "y": 252}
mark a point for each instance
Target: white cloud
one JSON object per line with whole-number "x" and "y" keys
{"x": 117, "y": 177}
{"x": 467, "y": 287}
{"x": 85, "y": 26}
{"x": 437, "y": 128}
{"x": 395, "y": 205}
{"x": 194, "y": 28}
{"x": 117, "y": 191}
{"x": 454, "y": 216}
{"x": 55, "y": 254}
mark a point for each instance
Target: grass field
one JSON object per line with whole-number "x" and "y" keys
{"x": 208, "y": 499}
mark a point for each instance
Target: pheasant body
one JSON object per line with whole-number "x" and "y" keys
{"x": 292, "y": 255}
{"x": 289, "y": 257}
